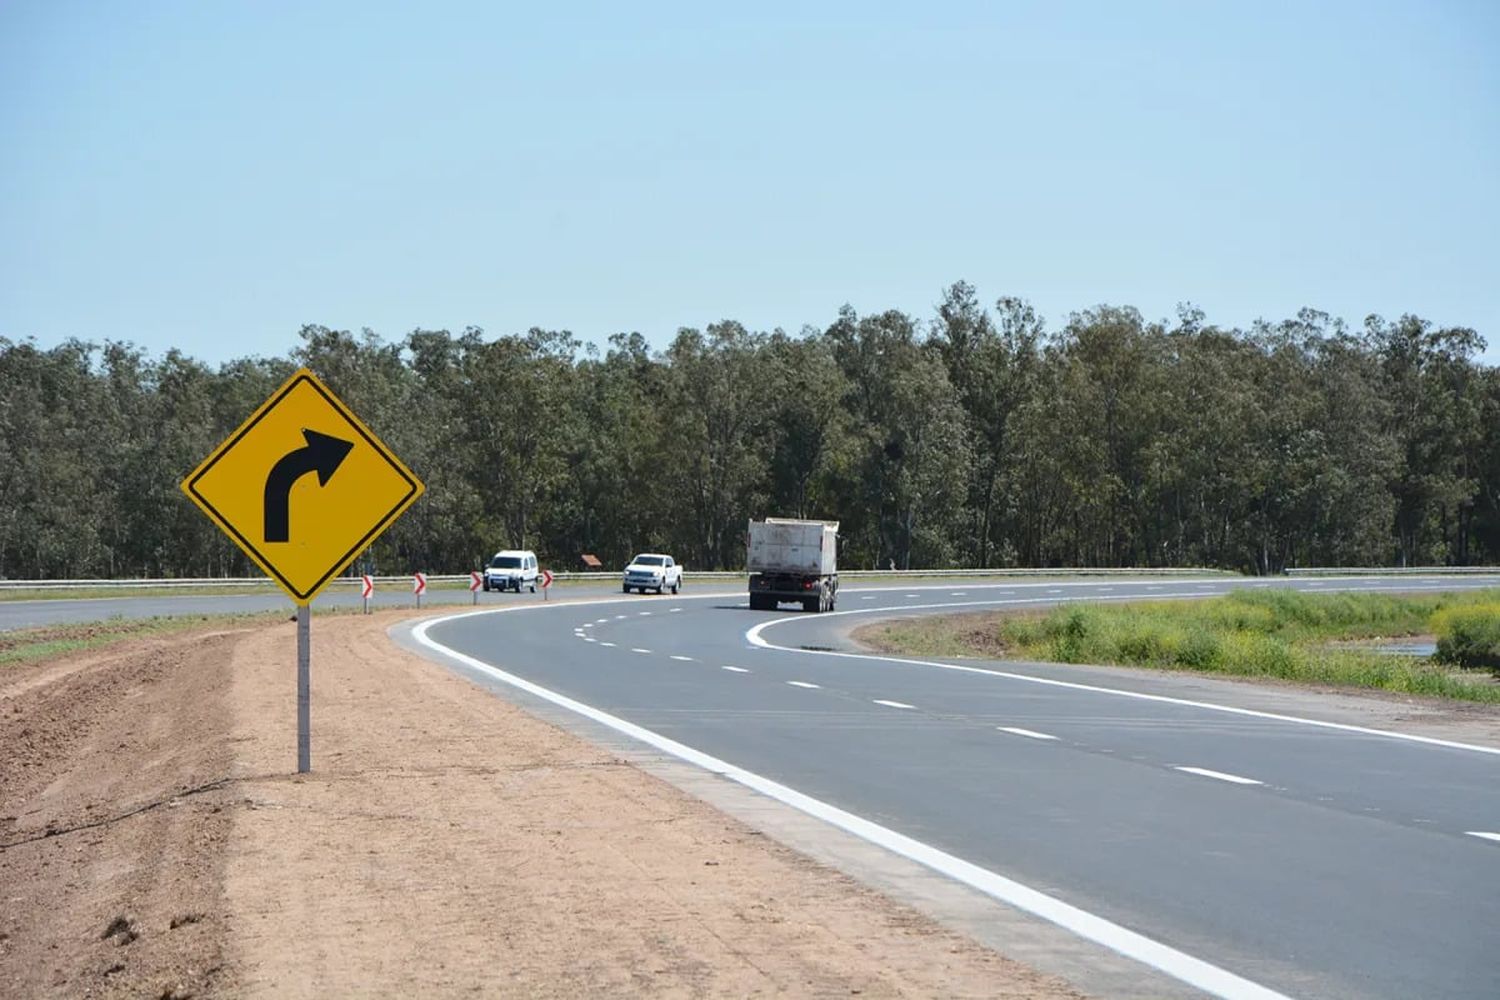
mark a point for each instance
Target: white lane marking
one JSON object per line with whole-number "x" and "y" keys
{"x": 913, "y": 595}
{"x": 804, "y": 684}
{"x": 637, "y": 649}
{"x": 1148, "y": 951}
{"x": 892, "y": 704}
{"x": 959, "y": 593}
{"x": 1029, "y": 733}
{"x": 609, "y": 644}
{"x": 868, "y": 597}
{"x": 1484, "y": 835}
{"x": 684, "y": 659}
{"x": 1219, "y": 775}
{"x": 1153, "y": 586}
{"x": 1054, "y": 590}
{"x": 601, "y": 621}
{"x": 675, "y": 610}
{"x": 737, "y": 670}
{"x": 589, "y": 638}
{"x": 754, "y": 637}
{"x": 1106, "y": 588}
{"x": 645, "y": 614}
{"x": 621, "y": 617}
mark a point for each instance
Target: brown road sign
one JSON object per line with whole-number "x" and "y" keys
{"x": 302, "y": 486}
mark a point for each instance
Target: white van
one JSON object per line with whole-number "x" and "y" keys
{"x": 511, "y": 569}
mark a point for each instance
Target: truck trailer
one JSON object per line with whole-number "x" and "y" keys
{"x": 792, "y": 560}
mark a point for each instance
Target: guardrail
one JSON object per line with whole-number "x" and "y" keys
{"x": 1395, "y": 571}
{"x": 601, "y": 575}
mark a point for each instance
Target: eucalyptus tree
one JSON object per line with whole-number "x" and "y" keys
{"x": 715, "y": 459}
{"x": 992, "y": 365}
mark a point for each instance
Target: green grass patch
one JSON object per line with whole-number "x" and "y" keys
{"x": 1274, "y": 633}
{"x": 32, "y": 645}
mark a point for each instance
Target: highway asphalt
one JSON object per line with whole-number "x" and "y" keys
{"x": 1294, "y": 858}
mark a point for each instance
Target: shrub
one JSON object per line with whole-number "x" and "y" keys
{"x": 1469, "y": 637}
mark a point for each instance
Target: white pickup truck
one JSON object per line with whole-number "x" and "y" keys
{"x": 653, "y": 571}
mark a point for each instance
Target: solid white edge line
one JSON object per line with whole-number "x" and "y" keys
{"x": 754, "y": 637}
{"x": 1219, "y": 775}
{"x": 1180, "y": 965}
{"x": 1484, "y": 835}
{"x": 1029, "y": 733}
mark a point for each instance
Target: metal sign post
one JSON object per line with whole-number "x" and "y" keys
{"x": 304, "y": 688}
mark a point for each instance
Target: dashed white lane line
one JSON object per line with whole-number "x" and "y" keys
{"x": 684, "y": 659}
{"x": 637, "y": 649}
{"x": 609, "y": 644}
{"x": 1219, "y": 775}
{"x": 600, "y": 621}
{"x": 676, "y": 610}
{"x": 804, "y": 684}
{"x": 1106, "y": 588}
{"x": 737, "y": 670}
{"x": 1028, "y": 733}
{"x": 589, "y": 638}
{"x": 892, "y": 704}
{"x": 959, "y": 593}
{"x": 868, "y": 597}
{"x": 645, "y": 614}
{"x": 1054, "y": 590}
{"x": 912, "y": 595}
{"x": 1484, "y": 835}
{"x": 620, "y": 618}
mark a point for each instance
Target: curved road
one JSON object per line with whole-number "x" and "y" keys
{"x": 1247, "y": 853}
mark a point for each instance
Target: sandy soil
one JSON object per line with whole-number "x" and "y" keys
{"x": 154, "y": 842}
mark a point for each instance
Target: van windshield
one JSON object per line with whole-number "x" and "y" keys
{"x": 505, "y": 562}
{"x": 647, "y": 560}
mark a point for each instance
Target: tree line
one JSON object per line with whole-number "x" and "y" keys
{"x": 972, "y": 438}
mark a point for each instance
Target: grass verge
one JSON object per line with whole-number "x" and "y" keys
{"x": 33, "y": 645}
{"x": 1281, "y": 634}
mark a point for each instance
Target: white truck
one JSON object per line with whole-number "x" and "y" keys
{"x": 792, "y": 560}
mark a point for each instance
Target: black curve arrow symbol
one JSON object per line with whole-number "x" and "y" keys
{"x": 322, "y": 454}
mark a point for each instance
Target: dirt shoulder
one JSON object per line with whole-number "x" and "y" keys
{"x": 447, "y": 843}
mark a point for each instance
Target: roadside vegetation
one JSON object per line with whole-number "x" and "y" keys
{"x": 972, "y": 437}
{"x": 32, "y": 645}
{"x": 1280, "y": 634}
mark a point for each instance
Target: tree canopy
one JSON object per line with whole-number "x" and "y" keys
{"x": 973, "y": 438}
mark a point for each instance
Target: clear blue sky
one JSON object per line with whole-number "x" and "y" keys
{"x": 211, "y": 176}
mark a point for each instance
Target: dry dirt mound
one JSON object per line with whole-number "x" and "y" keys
{"x": 153, "y": 843}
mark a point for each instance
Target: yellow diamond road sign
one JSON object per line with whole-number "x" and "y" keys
{"x": 302, "y": 486}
